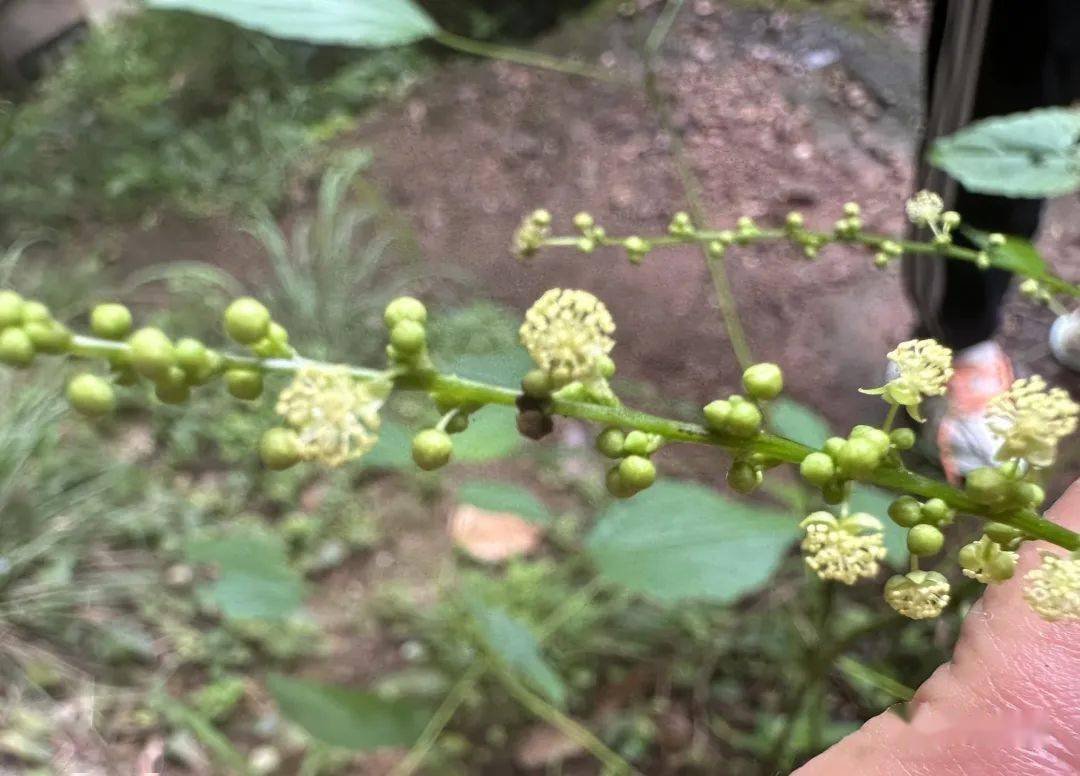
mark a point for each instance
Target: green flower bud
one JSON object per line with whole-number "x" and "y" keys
{"x": 408, "y": 337}
{"x": 982, "y": 260}
{"x": 950, "y": 219}
{"x": 716, "y": 414}
{"x": 744, "y": 477}
{"x": 404, "y": 308}
{"x": 794, "y": 220}
{"x": 172, "y": 388}
{"x": 636, "y": 248}
{"x": 763, "y": 381}
{"x": 715, "y": 249}
{"x": 431, "y": 449}
{"x": 986, "y": 485}
{"x": 48, "y": 336}
{"x": 923, "y": 540}
{"x": 111, "y": 321}
{"x": 936, "y": 511}
{"x": 833, "y": 446}
{"x": 246, "y": 384}
{"x": 536, "y": 384}
{"x": 35, "y": 311}
{"x": 279, "y": 449}
{"x": 11, "y": 309}
{"x": 609, "y": 442}
{"x": 91, "y": 395}
{"x": 875, "y": 436}
{"x": 995, "y": 239}
{"x": 744, "y": 420}
{"x": 637, "y": 472}
{"x": 615, "y": 485}
{"x": 858, "y": 458}
{"x": 638, "y": 443}
{"x": 1030, "y": 493}
{"x": 605, "y": 366}
{"x": 817, "y": 469}
{"x": 16, "y": 349}
{"x": 881, "y": 260}
{"x": 540, "y": 217}
{"x": 247, "y": 320}
{"x": 902, "y": 438}
{"x": 191, "y": 356}
{"x": 1002, "y": 566}
{"x": 584, "y": 222}
{"x": 1003, "y": 534}
{"x": 906, "y": 512}
{"x": 852, "y": 209}
{"x": 152, "y": 353}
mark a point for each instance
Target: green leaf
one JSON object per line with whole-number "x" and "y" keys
{"x": 352, "y": 719}
{"x": 393, "y": 450}
{"x": 505, "y": 368}
{"x": 496, "y": 496}
{"x": 492, "y": 434}
{"x": 374, "y": 23}
{"x": 519, "y": 651}
{"x": 1032, "y": 154}
{"x": 255, "y": 580}
{"x": 679, "y": 541}
{"x": 874, "y": 501}
{"x": 1016, "y": 255}
{"x": 798, "y": 422}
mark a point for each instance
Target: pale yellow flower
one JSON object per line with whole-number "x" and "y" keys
{"x": 923, "y": 368}
{"x": 531, "y": 232}
{"x": 925, "y": 208}
{"x": 844, "y": 549}
{"x": 918, "y": 594}
{"x": 568, "y": 335}
{"x": 1031, "y": 420}
{"x": 335, "y": 416}
{"x": 1053, "y": 589}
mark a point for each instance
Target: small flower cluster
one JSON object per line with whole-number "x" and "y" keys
{"x": 918, "y": 595}
{"x": 923, "y": 368}
{"x": 531, "y": 233}
{"x": 27, "y": 327}
{"x": 568, "y": 334}
{"x": 1053, "y": 589}
{"x": 927, "y": 209}
{"x": 1031, "y": 420}
{"x": 845, "y": 549}
{"x": 334, "y": 416}
{"x": 742, "y": 418}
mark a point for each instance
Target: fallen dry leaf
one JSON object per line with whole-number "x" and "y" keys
{"x": 492, "y": 537}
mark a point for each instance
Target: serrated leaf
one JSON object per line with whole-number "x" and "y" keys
{"x": 495, "y": 496}
{"x": 680, "y": 540}
{"x": 515, "y": 646}
{"x": 255, "y": 580}
{"x": 353, "y": 719}
{"x": 371, "y": 23}
{"x": 492, "y": 434}
{"x": 866, "y": 498}
{"x": 798, "y": 422}
{"x": 1032, "y": 154}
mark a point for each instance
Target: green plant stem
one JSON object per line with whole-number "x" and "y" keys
{"x": 865, "y": 239}
{"x": 439, "y": 720}
{"x": 525, "y": 57}
{"x": 725, "y": 299}
{"x": 569, "y": 727}
{"x": 458, "y": 390}
{"x": 467, "y": 682}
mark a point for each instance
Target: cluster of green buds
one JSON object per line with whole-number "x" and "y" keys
{"x": 741, "y": 418}
{"x": 840, "y": 461}
{"x": 635, "y": 470}
{"x": 927, "y": 209}
{"x": 406, "y": 321}
{"x": 27, "y": 328}
{"x": 530, "y": 235}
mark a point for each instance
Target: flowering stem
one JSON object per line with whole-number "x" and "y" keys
{"x": 798, "y": 237}
{"x": 458, "y": 390}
